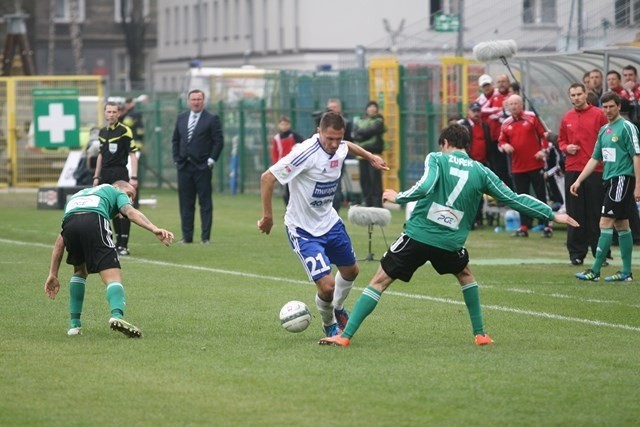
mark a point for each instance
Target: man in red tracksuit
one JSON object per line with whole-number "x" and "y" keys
{"x": 577, "y": 137}
{"x": 523, "y": 136}
{"x": 282, "y": 145}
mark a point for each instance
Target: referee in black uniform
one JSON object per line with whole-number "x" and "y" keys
{"x": 116, "y": 148}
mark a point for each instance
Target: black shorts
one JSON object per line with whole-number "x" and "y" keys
{"x": 113, "y": 174}
{"x": 87, "y": 238}
{"x": 618, "y": 197}
{"x": 406, "y": 255}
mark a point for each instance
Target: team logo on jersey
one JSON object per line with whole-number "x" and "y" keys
{"x": 334, "y": 163}
{"x": 614, "y": 138}
{"x": 285, "y": 171}
{"x": 445, "y": 216}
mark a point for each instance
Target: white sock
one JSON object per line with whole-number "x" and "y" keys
{"x": 326, "y": 311}
{"x": 341, "y": 291}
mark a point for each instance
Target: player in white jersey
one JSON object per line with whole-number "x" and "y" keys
{"x": 316, "y": 232}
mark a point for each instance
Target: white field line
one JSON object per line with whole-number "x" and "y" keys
{"x": 394, "y": 293}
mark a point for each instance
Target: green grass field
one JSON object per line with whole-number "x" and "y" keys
{"x": 566, "y": 352}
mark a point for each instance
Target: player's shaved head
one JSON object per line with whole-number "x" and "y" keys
{"x": 129, "y": 189}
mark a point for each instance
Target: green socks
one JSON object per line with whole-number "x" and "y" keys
{"x": 76, "y": 298}
{"x": 472, "y": 300}
{"x": 625, "y": 239}
{"x": 115, "y": 296}
{"x": 363, "y": 307}
{"x": 604, "y": 244}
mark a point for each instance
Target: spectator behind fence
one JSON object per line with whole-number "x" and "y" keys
{"x": 595, "y": 83}
{"x": 282, "y": 144}
{"x": 367, "y": 133}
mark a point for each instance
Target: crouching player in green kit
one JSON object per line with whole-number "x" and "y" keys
{"x": 447, "y": 195}
{"x": 86, "y": 235}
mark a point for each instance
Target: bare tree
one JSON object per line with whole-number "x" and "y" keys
{"x": 134, "y": 27}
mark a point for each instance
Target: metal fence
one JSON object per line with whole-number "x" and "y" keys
{"x": 409, "y": 99}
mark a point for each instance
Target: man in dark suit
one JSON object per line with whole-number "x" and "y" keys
{"x": 197, "y": 143}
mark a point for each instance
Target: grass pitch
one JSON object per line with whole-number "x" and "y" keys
{"x": 213, "y": 353}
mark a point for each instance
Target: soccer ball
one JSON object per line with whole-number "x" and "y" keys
{"x": 295, "y": 316}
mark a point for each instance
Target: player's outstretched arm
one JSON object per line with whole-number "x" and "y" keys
{"x": 389, "y": 196}
{"x": 375, "y": 160}
{"x": 565, "y": 219}
{"x": 138, "y": 218}
{"x": 52, "y": 284}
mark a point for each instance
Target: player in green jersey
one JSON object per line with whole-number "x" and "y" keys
{"x": 447, "y": 198}
{"x": 86, "y": 235}
{"x": 617, "y": 147}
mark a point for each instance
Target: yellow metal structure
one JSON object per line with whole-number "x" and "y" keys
{"x": 22, "y": 164}
{"x": 455, "y": 88}
{"x": 384, "y": 85}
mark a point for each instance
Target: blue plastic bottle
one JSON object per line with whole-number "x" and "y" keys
{"x": 512, "y": 220}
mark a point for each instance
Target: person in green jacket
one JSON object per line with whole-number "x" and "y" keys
{"x": 447, "y": 198}
{"x": 367, "y": 133}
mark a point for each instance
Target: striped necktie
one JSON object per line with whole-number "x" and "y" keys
{"x": 192, "y": 125}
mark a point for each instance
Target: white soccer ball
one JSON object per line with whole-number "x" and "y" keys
{"x": 295, "y": 316}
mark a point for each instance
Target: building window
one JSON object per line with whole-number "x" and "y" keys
{"x": 62, "y": 12}
{"x": 215, "y": 20}
{"x": 225, "y": 20}
{"x": 539, "y": 12}
{"x": 176, "y": 27}
{"x": 236, "y": 18}
{"x": 186, "y": 24}
{"x": 280, "y": 26}
{"x": 197, "y": 23}
{"x": 167, "y": 26}
{"x": 128, "y": 6}
{"x": 204, "y": 27}
{"x": 265, "y": 28}
{"x": 627, "y": 13}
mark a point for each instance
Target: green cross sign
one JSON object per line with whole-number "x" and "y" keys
{"x": 56, "y": 115}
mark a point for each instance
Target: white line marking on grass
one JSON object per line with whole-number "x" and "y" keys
{"x": 519, "y": 311}
{"x": 406, "y": 295}
{"x": 400, "y": 294}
